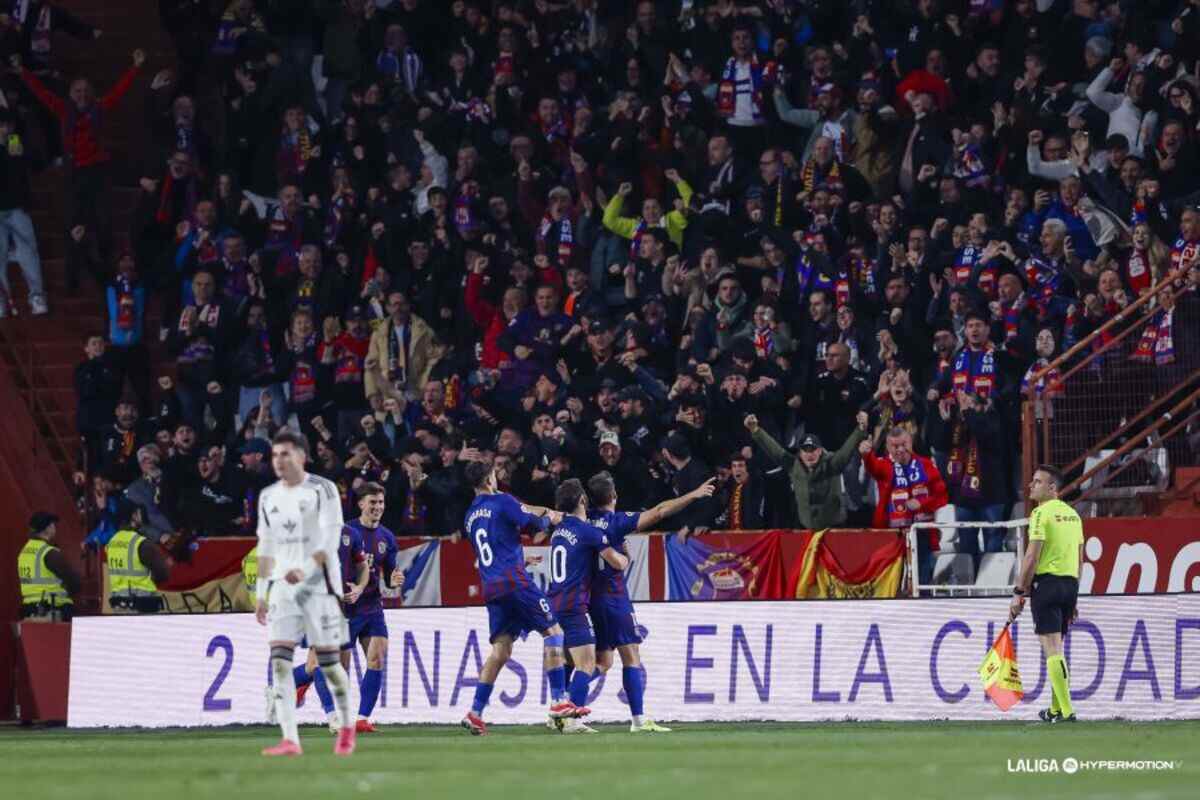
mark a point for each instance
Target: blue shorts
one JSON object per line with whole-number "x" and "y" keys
{"x": 577, "y": 628}
{"x": 523, "y": 610}
{"x": 367, "y": 624}
{"x": 614, "y": 622}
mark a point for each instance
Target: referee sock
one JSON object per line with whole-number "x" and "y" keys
{"x": 558, "y": 683}
{"x": 632, "y": 678}
{"x": 483, "y": 693}
{"x": 323, "y": 691}
{"x": 1060, "y": 682}
{"x": 369, "y": 692}
{"x": 579, "y": 687}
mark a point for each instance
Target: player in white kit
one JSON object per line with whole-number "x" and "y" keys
{"x": 299, "y": 585}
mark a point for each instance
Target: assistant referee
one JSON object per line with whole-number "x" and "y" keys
{"x": 1050, "y": 575}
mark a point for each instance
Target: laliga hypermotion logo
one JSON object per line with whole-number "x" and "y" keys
{"x": 723, "y": 576}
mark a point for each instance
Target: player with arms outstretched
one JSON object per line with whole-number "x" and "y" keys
{"x": 611, "y": 608}
{"x": 515, "y": 604}
{"x": 299, "y": 593}
{"x": 574, "y": 547}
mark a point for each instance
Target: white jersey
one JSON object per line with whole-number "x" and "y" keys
{"x": 296, "y": 521}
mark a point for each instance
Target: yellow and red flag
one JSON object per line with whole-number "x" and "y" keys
{"x": 1001, "y": 680}
{"x": 825, "y": 573}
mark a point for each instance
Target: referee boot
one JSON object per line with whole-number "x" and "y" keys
{"x": 1046, "y": 715}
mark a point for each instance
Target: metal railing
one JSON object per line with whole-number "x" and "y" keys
{"x": 969, "y": 590}
{"x": 1106, "y": 399}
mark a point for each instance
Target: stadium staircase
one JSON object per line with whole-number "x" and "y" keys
{"x": 1119, "y": 430}
{"x": 39, "y": 447}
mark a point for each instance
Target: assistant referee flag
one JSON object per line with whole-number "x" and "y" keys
{"x": 1001, "y": 681}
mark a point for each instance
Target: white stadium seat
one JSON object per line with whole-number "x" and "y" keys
{"x": 996, "y": 570}
{"x": 954, "y": 569}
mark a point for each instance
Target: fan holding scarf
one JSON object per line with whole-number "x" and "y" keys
{"x": 911, "y": 489}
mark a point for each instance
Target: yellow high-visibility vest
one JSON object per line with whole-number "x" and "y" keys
{"x": 38, "y": 583}
{"x": 250, "y": 570}
{"x": 127, "y": 575}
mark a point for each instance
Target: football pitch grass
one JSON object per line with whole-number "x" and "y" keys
{"x": 909, "y": 761}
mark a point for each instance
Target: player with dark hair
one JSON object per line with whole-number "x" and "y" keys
{"x": 574, "y": 545}
{"x": 515, "y": 604}
{"x": 1050, "y": 574}
{"x": 611, "y": 609}
{"x": 365, "y": 609}
{"x": 297, "y": 595}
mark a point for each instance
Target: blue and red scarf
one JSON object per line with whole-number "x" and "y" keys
{"x": 975, "y": 371}
{"x": 1157, "y": 344}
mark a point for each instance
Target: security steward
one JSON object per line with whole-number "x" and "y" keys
{"x": 47, "y": 580}
{"x": 1050, "y": 576}
{"x": 250, "y": 572}
{"x": 135, "y": 567}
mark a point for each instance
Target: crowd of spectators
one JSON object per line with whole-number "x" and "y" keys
{"x": 666, "y": 239}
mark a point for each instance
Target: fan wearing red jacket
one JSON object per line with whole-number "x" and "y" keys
{"x": 911, "y": 489}
{"x": 492, "y": 320}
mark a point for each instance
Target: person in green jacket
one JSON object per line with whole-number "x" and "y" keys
{"x": 815, "y": 473}
{"x": 652, "y": 216}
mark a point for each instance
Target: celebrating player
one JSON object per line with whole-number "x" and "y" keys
{"x": 574, "y": 546}
{"x": 366, "y": 610}
{"x": 1052, "y": 566}
{"x": 515, "y": 604}
{"x": 298, "y": 593}
{"x": 611, "y": 609}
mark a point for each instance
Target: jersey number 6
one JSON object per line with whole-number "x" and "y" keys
{"x": 483, "y": 548}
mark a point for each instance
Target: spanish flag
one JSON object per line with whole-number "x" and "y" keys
{"x": 1001, "y": 681}
{"x": 823, "y": 571}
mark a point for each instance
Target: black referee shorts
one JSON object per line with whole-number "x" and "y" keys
{"x": 1052, "y": 602}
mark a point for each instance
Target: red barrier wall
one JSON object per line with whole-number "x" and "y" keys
{"x": 43, "y": 669}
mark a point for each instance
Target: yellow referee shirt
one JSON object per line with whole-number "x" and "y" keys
{"x": 1056, "y": 525}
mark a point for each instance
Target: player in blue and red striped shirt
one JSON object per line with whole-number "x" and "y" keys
{"x": 574, "y": 546}
{"x": 515, "y": 604}
{"x": 365, "y": 609}
{"x": 611, "y": 609}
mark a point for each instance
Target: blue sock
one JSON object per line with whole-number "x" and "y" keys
{"x": 579, "y": 687}
{"x": 302, "y": 676}
{"x": 322, "y": 690}
{"x": 369, "y": 692}
{"x": 596, "y": 673}
{"x": 633, "y": 678}
{"x": 483, "y": 693}
{"x": 558, "y": 682}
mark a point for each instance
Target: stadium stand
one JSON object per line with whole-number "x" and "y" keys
{"x": 570, "y": 236}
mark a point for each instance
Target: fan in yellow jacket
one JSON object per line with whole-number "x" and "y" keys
{"x": 652, "y": 215}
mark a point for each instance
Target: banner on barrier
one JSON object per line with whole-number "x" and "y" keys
{"x": 1121, "y": 556}
{"x": 1136, "y": 657}
{"x": 1143, "y": 556}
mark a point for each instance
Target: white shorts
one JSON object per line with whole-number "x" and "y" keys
{"x": 294, "y": 614}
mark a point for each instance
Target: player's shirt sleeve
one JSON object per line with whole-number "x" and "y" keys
{"x": 266, "y": 544}
{"x": 358, "y": 553}
{"x": 389, "y": 558}
{"x": 1037, "y": 526}
{"x": 517, "y": 514}
{"x": 626, "y": 523}
{"x": 329, "y": 518}
{"x": 595, "y": 538}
